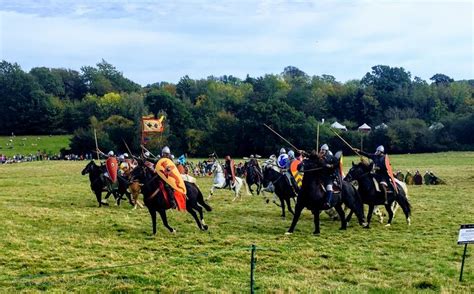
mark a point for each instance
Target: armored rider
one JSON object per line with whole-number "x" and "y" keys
{"x": 381, "y": 173}
{"x": 166, "y": 153}
{"x": 329, "y": 163}
{"x": 229, "y": 172}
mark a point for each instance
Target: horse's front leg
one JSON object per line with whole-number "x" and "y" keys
{"x": 316, "y": 213}
{"x": 98, "y": 195}
{"x": 152, "y": 212}
{"x": 164, "y": 219}
{"x": 282, "y": 207}
{"x": 211, "y": 192}
{"x": 369, "y": 215}
{"x": 342, "y": 216}
{"x": 288, "y": 203}
{"x": 299, "y": 207}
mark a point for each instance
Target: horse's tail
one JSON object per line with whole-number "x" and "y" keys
{"x": 402, "y": 199}
{"x": 244, "y": 183}
{"x": 200, "y": 201}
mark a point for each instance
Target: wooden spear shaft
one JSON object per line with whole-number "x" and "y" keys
{"x": 342, "y": 139}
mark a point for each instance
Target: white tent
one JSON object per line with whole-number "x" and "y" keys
{"x": 436, "y": 126}
{"x": 381, "y": 126}
{"x": 338, "y": 126}
{"x": 364, "y": 128}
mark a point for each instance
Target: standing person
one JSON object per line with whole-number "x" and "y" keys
{"x": 229, "y": 172}
{"x": 381, "y": 172}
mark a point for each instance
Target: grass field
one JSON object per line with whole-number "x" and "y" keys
{"x": 26, "y": 145}
{"x": 55, "y": 238}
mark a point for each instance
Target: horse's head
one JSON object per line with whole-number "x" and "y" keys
{"x": 269, "y": 174}
{"x": 89, "y": 168}
{"x": 357, "y": 171}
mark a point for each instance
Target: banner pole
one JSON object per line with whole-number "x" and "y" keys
{"x": 96, "y": 145}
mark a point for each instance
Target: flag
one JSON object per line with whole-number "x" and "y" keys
{"x": 152, "y": 125}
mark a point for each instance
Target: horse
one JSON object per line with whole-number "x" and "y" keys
{"x": 361, "y": 173}
{"x": 312, "y": 197}
{"x": 282, "y": 187}
{"x": 220, "y": 183}
{"x": 253, "y": 177}
{"x": 155, "y": 200}
{"x": 100, "y": 184}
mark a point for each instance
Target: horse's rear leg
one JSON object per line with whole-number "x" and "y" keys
{"x": 282, "y": 207}
{"x": 369, "y": 215}
{"x": 296, "y": 217}
{"x": 164, "y": 219}
{"x": 342, "y": 216}
{"x": 349, "y": 216}
{"x": 193, "y": 213}
{"x": 388, "y": 207}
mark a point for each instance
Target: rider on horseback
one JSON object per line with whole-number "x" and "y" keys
{"x": 380, "y": 168}
{"x": 291, "y": 178}
{"x": 329, "y": 165}
{"x": 166, "y": 153}
{"x": 253, "y": 164}
{"x": 229, "y": 172}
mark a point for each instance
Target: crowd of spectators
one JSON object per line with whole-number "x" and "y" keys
{"x": 429, "y": 178}
{"x": 40, "y": 156}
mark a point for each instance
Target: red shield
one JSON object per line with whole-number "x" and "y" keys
{"x": 112, "y": 168}
{"x": 390, "y": 173}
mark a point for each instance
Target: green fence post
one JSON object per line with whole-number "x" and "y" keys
{"x": 252, "y": 269}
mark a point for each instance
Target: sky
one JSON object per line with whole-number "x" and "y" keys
{"x": 154, "y": 41}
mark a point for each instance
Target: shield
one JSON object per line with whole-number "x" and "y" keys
{"x": 169, "y": 173}
{"x": 390, "y": 173}
{"x": 112, "y": 168}
{"x": 294, "y": 171}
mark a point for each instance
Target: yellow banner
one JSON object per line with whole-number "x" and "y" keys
{"x": 152, "y": 125}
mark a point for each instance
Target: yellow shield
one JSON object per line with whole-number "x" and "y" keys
{"x": 169, "y": 173}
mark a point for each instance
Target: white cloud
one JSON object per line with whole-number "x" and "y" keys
{"x": 151, "y": 41}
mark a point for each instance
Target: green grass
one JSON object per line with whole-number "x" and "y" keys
{"x": 26, "y": 145}
{"x": 53, "y": 235}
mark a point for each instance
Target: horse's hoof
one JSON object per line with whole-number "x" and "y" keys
{"x": 342, "y": 228}
{"x": 366, "y": 226}
{"x": 173, "y": 231}
{"x": 388, "y": 225}
{"x": 409, "y": 221}
{"x": 288, "y": 233}
{"x": 316, "y": 233}
{"x": 205, "y": 227}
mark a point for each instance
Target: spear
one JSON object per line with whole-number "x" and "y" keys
{"x": 342, "y": 139}
{"x": 281, "y": 137}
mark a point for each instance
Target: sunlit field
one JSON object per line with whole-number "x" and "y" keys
{"x": 55, "y": 238}
{"x": 26, "y": 145}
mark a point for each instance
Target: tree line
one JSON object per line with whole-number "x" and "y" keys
{"x": 226, "y": 114}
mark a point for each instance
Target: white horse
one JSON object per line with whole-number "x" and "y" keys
{"x": 219, "y": 182}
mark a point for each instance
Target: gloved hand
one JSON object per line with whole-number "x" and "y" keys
{"x": 328, "y": 165}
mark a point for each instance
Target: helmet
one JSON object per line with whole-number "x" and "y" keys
{"x": 147, "y": 154}
{"x": 379, "y": 150}
{"x": 282, "y": 151}
{"x": 121, "y": 157}
{"x": 325, "y": 147}
{"x": 251, "y": 156}
{"x": 291, "y": 154}
{"x": 282, "y": 160}
{"x": 125, "y": 155}
{"x": 166, "y": 150}
{"x": 111, "y": 153}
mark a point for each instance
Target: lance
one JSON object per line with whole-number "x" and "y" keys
{"x": 128, "y": 149}
{"x": 342, "y": 139}
{"x": 281, "y": 137}
{"x": 317, "y": 137}
{"x": 143, "y": 147}
{"x": 96, "y": 145}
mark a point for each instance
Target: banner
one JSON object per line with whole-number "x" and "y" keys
{"x": 152, "y": 125}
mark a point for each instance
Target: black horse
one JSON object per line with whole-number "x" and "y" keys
{"x": 155, "y": 202}
{"x": 100, "y": 184}
{"x": 312, "y": 196}
{"x": 361, "y": 173}
{"x": 253, "y": 177}
{"x": 282, "y": 186}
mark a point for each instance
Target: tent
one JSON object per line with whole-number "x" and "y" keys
{"x": 381, "y": 126}
{"x": 436, "y": 126}
{"x": 364, "y": 128}
{"x": 338, "y": 126}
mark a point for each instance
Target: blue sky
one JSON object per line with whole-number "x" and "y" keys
{"x": 152, "y": 41}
